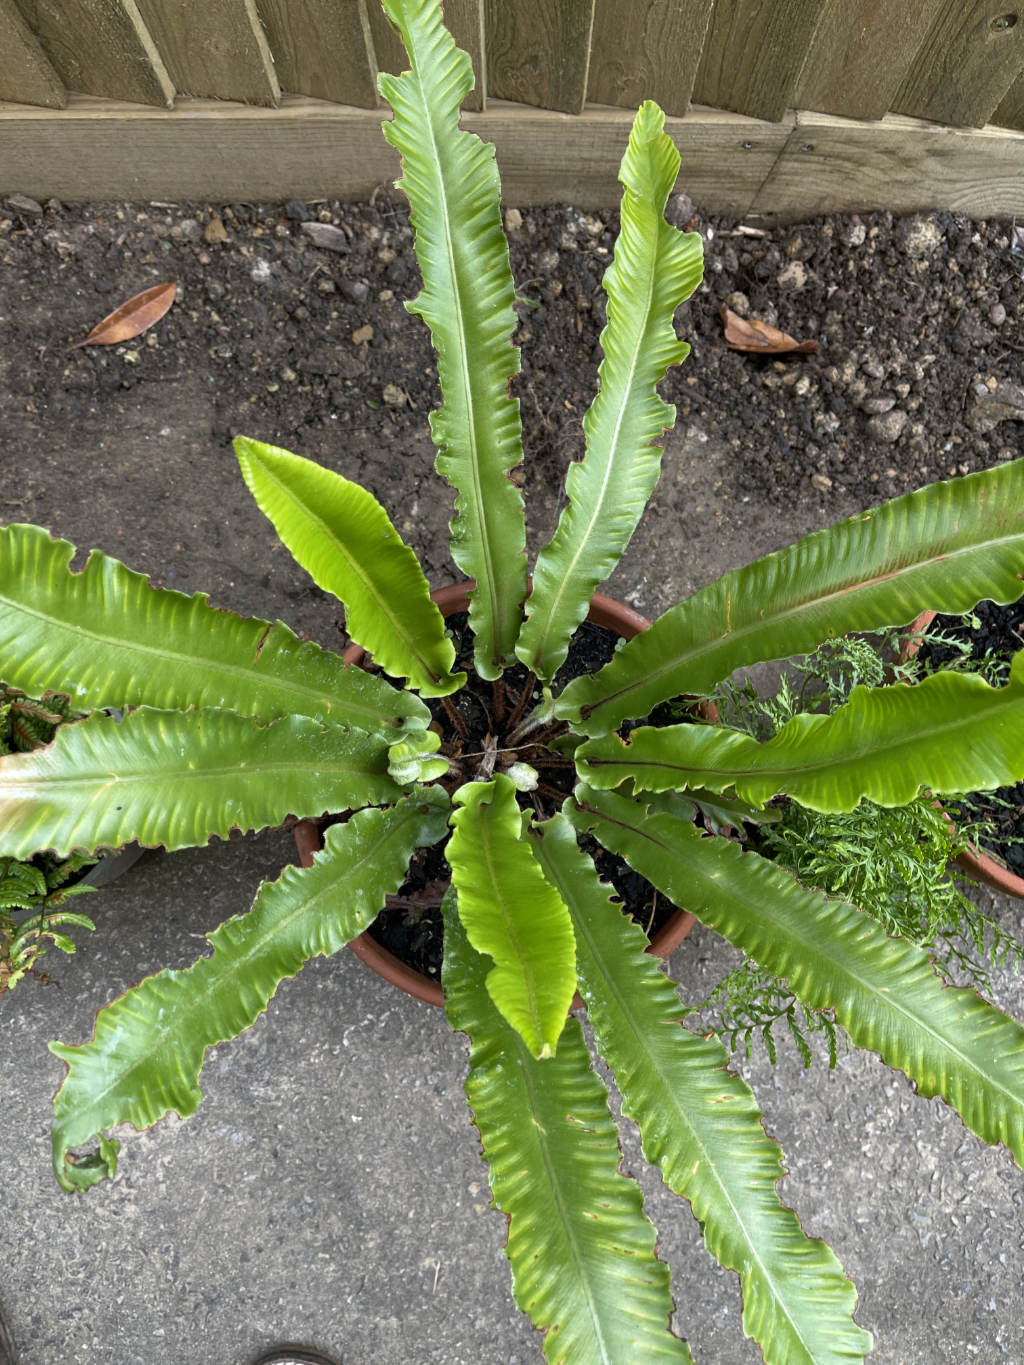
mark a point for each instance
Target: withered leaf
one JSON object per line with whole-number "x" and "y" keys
{"x": 326, "y": 236}
{"x": 747, "y": 334}
{"x": 132, "y": 318}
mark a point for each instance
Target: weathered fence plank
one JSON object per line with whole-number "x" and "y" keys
{"x": 468, "y": 25}
{"x": 860, "y": 55}
{"x": 652, "y": 56}
{"x": 833, "y": 165}
{"x": 322, "y": 48}
{"x": 1010, "y": 113}
{"x": 214, "y": 49}
{"x": 538, "y": 52}
{"x": 465, "y": 19}
{"x": 753, "y": 54}
{"x": 969, "y": 60}
{"x": 25, "y": 73}
{"x": 100, "y": 47}
{"x": 98, "y": 149}
{"x": 204, "y": 150}
{"x": 387, "y": 46}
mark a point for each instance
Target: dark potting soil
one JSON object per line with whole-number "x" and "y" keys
{"x": 998, "y": 635}
{"x": 410, "y": 926}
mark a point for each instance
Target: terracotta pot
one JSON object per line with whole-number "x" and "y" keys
{"x": 604, "y": 611}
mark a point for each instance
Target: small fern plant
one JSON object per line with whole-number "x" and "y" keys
{"x": 234, "y": 723}
{"x": 33, "y": 893}
{"x": 893, "y": 862}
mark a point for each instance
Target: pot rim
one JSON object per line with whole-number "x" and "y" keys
{"x": 604, "y": 611}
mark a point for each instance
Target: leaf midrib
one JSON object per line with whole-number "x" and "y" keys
{"x": 725, "y": 639}
{"x": 618, "y": 421}
{"x": 191, "y": 1002}
{"x": 377, "y": 595}
{"x": 480, "y": 505}
{"x": 885, "y": 999}
{"x": 582, "y": 928}
{"x": 264, "y": 682}
{"x": 850, "y": 757}
{"x": 574, "y": 1240}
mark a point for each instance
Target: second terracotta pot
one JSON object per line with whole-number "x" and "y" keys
{"x": 604, "y": 611}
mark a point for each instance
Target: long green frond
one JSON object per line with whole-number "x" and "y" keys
{"x": 701, "y": 1126}
{"x": 883, "y": 991}
{"x": 451, "y": 180}
{"x": 343, "y": 538}
{"x": 654, "y": 269}
{"x": 174, "y": 778}
{"x": 581, "y": 1250}
{"x": 511, "y": 913}
{"x": 109, "y": 638}
{"x": 148, "y": 1048}
{"x": 952, "y": 733}
{"x": 944, "y": 547}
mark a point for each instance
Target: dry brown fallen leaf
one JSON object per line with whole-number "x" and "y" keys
{"x": 747, "y": 334}
{"x": 132, "y": 318}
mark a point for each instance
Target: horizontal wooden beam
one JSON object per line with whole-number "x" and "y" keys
{"x": 209, "y": 150}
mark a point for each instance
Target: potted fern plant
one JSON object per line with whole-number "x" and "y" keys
{"x": 236, "y": 723}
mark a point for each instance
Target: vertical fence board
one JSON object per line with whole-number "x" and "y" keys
{"x": 465, "y": 19}
{"x": 322, "y": 48}
{"x": 653, "y": 56}
{"x": 217, "y": 50}
{"x": 100, "y": 47}
{"x": 25, "y": 74}
{"x": 538, "y": 52}
{"x": 861, "y": 54}
{"x": 969, "y": 60}
{"x": 753, "y": 54}
{"x": 387, "y": 46}
{"x": 1010, "y": 113}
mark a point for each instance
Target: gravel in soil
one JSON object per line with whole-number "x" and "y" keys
{"x": 300, "y": 337}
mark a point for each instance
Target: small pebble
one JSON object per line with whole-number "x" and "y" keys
{"x": 853, "y": 233}
{"x": 793, "y": 276}
{"x": 23, "y": 204}
{"x": 887, "y": 427}
{"x": 880, "y": 403}
{"x": 997, "y": 315}
{"x": 362, "y": 334}
{"x": 215, "y": 232}
{"x": 919, "y": 236}
{"x": 356, "y": 291}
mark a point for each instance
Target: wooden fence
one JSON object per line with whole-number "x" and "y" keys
{"x": 779, "y": 106}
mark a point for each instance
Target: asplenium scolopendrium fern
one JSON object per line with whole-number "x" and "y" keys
{"x": 235, "y": 723}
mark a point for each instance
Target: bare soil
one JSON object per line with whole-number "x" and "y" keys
{"x": 919, "y": 372}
